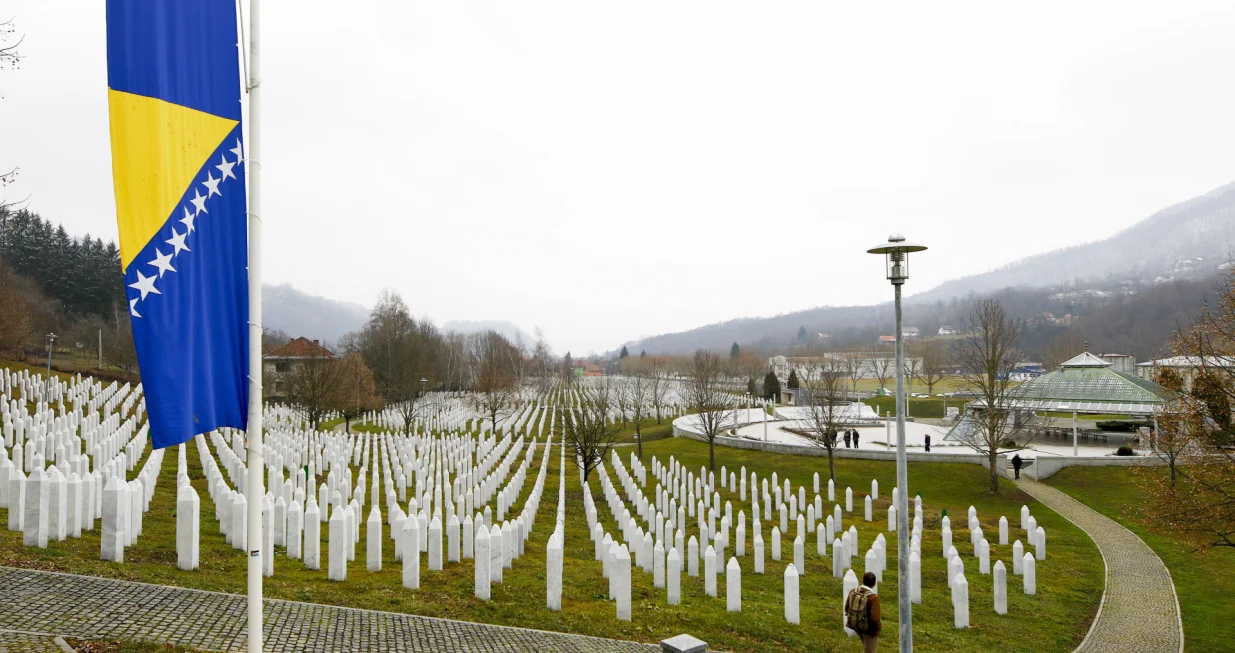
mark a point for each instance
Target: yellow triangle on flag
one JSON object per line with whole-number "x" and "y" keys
{"x": 157, "y": 149}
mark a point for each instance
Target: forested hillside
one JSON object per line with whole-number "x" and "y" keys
{"x": 80, "y": 275}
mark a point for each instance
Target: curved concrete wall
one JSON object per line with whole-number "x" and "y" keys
{"x": 1042, "y": 466}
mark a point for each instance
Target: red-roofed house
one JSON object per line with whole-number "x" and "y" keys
{"x": 280, "y": 361}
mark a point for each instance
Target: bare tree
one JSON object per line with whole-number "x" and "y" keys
{"x": 495, "y": 386}
{"x": 913, "y": 366}
{"x": 986, "y": 356}
{"x": 659, "y": 372}
{"x": 639, "y": 395}
{"x": 355, "y": 394}
{"x": 312, "y": 386}
{"x": 1198, "y": 498}
{"x": 589, "y": 431}
{"x": 707, "y": 397}
{"x": 542, "y": 363}
{"x": 9, "y": 58}
{"x": 884, "y": 367}
{"x": 622, "y": 398}
{"x": 826, "y": 384}
{"x": 932, "y": 363}
{"x": 854, "y": 366}
{"x": 1062, "y": 346}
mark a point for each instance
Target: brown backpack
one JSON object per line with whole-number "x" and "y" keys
{"x": 857, "y": 609}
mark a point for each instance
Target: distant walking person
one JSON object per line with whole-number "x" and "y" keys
{"x": 862, "y": 613}
{"x": 855, "y": 438}
{"x": 1016, "y": 464}
{"x": 928, "y": 443}
{"x": 846, "y": 439}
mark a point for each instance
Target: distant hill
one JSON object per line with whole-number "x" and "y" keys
{"x": 312, "y": 316}
{"x": 1187, "y": 240}
{"x": 1182, "y": 247}
{"x": 504, "y": 327}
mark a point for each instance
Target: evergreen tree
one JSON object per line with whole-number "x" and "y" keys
{"x": 750, "y": 387}
{"x": 624, "y": 353}
{"x": 734, "y": 351}
{"x": 771, "y": 385}
{"x": 792, "y": 383}
{"x": 643, "y": 353}
{"x": 802, "y": 334}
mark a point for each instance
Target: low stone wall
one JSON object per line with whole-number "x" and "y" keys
{"x": 1047, "y": 466}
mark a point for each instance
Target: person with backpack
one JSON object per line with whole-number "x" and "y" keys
{"x": 1016, "y": 464}
{"x": 862, "y": 613}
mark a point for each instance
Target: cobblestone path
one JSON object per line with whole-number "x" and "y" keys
{"x": 1139, "y": 611}
{"x": 36, "y": 602}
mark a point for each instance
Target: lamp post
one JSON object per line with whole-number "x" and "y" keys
{"x": 423, "y": 381}
{"x": 51, "y": 342}
{"x": 896, "y": 257}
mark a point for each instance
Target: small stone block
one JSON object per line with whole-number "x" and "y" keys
{"x": 683, "y": 644}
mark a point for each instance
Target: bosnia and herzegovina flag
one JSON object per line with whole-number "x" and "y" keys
{"x": 178, "y": 164}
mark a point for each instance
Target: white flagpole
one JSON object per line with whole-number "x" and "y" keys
{"x": 256, "y": 492}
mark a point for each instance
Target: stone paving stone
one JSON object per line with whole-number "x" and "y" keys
{"x": 1139, "y": 610}
{"x": 99, "y": 608}
{"x": 19, "y": 642}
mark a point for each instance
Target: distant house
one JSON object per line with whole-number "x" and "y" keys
{"x": 590, "y": 369}
{"x": 910, "y": 332}
{"x": 280, "y": 362}
{"x": 883, "y": 340}
{"x": 946, "y": 330}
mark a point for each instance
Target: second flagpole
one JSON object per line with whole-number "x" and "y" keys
{"x": 256, "y": 491}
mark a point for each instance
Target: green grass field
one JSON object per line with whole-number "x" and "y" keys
{"x": 946, "y": 384}
{"x": 1204, "y": 583}
{"x": 1070, "y": 580}
{"x": 918, "y": 407}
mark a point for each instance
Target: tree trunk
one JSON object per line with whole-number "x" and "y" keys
{"x": 993, "y": 456}
{"x": 831, "y": 465}
{"x": 639, "y": 440}
{"x": 348, "y": 422}
{"x": 712, "y": 454}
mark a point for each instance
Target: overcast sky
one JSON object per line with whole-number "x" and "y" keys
{"x": 614, "y": 169}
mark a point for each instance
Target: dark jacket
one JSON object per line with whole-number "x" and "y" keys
{"x": 1016, "y": 461}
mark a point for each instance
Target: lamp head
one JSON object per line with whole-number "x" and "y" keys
{"x": 896, "y": 257}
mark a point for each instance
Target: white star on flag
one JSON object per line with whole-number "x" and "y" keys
{"x": 163, "y": 262}
{"x": 187, "y": 220}
{"x": 199, "y": 202}
{"x": 211, "y": 184}
{"x": 238, "y": 151}
{"x": 226, "y": 169}
{"x": 133, "y": 308}
{"x": 145, "y": 284}
{"x": 177, "y": 241}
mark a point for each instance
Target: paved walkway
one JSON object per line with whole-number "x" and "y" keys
{"x": 34, "y": 605}
{"x": 1139, "y": 612}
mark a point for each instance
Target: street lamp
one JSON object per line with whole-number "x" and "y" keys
{"x": 896, "y": 259}
{"x": 51, "y": 341}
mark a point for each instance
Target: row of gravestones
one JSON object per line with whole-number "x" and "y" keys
{"x": 616, "y": 556}
{"x": 299, "y": 531}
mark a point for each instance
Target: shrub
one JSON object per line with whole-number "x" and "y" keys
{"x": 1123, "y": 426}
{"x": 1124, "y": 451}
